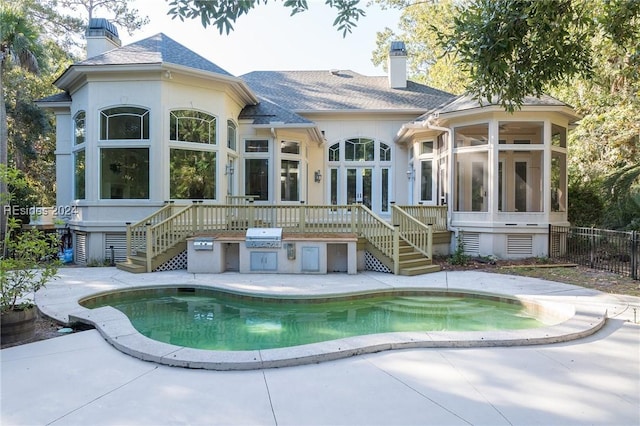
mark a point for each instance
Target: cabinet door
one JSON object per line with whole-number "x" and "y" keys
{"x": 263, "y": 261}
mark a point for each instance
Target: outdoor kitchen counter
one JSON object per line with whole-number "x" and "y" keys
{"x": 298, "y": 253}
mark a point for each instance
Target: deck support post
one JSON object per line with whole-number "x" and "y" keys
{"x": 396, "y": 249}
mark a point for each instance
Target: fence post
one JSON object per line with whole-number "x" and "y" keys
{"x": 302, "y": 218}
{"x": 250, "y": 215}
{"x": 549, "y": 248}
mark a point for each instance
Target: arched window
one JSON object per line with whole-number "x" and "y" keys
{"x": 192, "y": 126}
{"x": 359, "y": 149}
{"x": 79, "y": 128}
{"x": 232, "y": 135}
{"x": 334, "y": 152}
{"x": 124, "y": 123}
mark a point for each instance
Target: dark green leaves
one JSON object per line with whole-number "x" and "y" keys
{"x": 515, "y": 48}
{"x": 224, "y": 13}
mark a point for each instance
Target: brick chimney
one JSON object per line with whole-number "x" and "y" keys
{"x": 101, "y": 36}
{"x": 397, "y": 65}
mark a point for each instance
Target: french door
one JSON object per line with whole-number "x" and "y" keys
{"x": 359, "y": 185}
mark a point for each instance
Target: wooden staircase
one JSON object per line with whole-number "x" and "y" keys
{"x": 138, "y": 263}
{"x": 412, "y": 262}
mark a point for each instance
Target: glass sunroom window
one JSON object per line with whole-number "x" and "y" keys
{"x": 192, "y": 126}
{"x": 124, "y": 123}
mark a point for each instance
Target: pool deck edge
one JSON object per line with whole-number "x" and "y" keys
{"x": 116, "y": 329}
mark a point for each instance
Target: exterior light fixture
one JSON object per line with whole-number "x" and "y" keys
{"x": 317, "y": 176}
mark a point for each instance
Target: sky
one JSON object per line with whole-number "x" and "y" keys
{"x": 269, "y": 39}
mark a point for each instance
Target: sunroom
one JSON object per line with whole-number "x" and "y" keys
{"x": 502, "y": 176}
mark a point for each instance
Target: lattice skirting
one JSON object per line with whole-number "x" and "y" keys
{"x": 177, "y": 262}
{"x": 371, "y": 263}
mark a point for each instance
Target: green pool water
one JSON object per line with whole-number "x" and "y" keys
{"x": 210, "y": 319}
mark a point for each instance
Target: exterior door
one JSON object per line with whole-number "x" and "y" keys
{"x": 359, "y": 185}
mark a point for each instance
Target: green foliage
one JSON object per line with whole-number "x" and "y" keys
{"x": 586, "y": 207}
{"x": 427, "y": 61}
{"x": 516, "y": 48}
{"x": 31, "y": 262}
{"x": 224, "y": 13}
{"x": 459, "y": 257}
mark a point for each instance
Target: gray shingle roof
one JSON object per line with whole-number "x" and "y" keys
{"x": 58, "y": 97}
{"x": 155, "y": 50}
{"x": 467, "y": 102}
{"x": 341, "y": 90}
{"x": 266, "y": 112}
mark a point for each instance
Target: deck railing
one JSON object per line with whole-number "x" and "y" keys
{"x": 174, "y": 223}
{"x": 137, "y": 232}
{"x": 429, "y": 215}
{"x": 415, "y": 232}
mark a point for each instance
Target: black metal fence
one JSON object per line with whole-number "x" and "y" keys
{"x": 602, "y": 249}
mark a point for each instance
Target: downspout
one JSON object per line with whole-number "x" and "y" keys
{"x": 428, "y": 124}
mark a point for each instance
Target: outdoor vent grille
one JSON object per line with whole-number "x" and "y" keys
{"x": 119, "y": 243}
{"x": 81, "y": 248}
{"x": 519, "y": 244}
{"x": 471, "y": 241}
{"x": 264, "y": 238}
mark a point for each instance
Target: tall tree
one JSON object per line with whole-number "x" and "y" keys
{"x": 428, "y": 63}
{"x": 19, "y": 46}
{"x": 119, "y": 12}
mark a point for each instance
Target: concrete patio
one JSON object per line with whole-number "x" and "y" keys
{"x": 80, "y": 379}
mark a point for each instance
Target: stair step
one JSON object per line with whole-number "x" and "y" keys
{"x": 134, "y": 268}
{"x": 415, "y": 262}
{"x": 419, "y": 270}
{"x": 411, "y": 255}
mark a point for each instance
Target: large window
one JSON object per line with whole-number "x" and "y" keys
{"x": 256, "y": 168}
{"x": 193, "y": 174}
{"x": 290, "y": 171}
{"x": 520, "y": 170}
{"x": 471, "y": 168}
{"x": 79, "y": 190}
{"x": 193, "y": 155}
{"x": 124, "y": 153}
{"x": 124, "y": 173}
{"x": 124, "y": 123}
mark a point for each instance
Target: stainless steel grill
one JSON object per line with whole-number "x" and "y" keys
{"x": 264, "y": 238}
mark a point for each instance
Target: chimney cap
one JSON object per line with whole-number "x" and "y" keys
{"x": 101, "y": 25}
{"x": 397, "y": 49}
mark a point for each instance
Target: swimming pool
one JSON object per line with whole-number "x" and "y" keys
{"x": 216, "y": 320}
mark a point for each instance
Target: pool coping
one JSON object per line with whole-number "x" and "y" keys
{"x": 116, "y": 329}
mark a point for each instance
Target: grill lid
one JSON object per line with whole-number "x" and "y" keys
{"x": 263, "y": 237}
